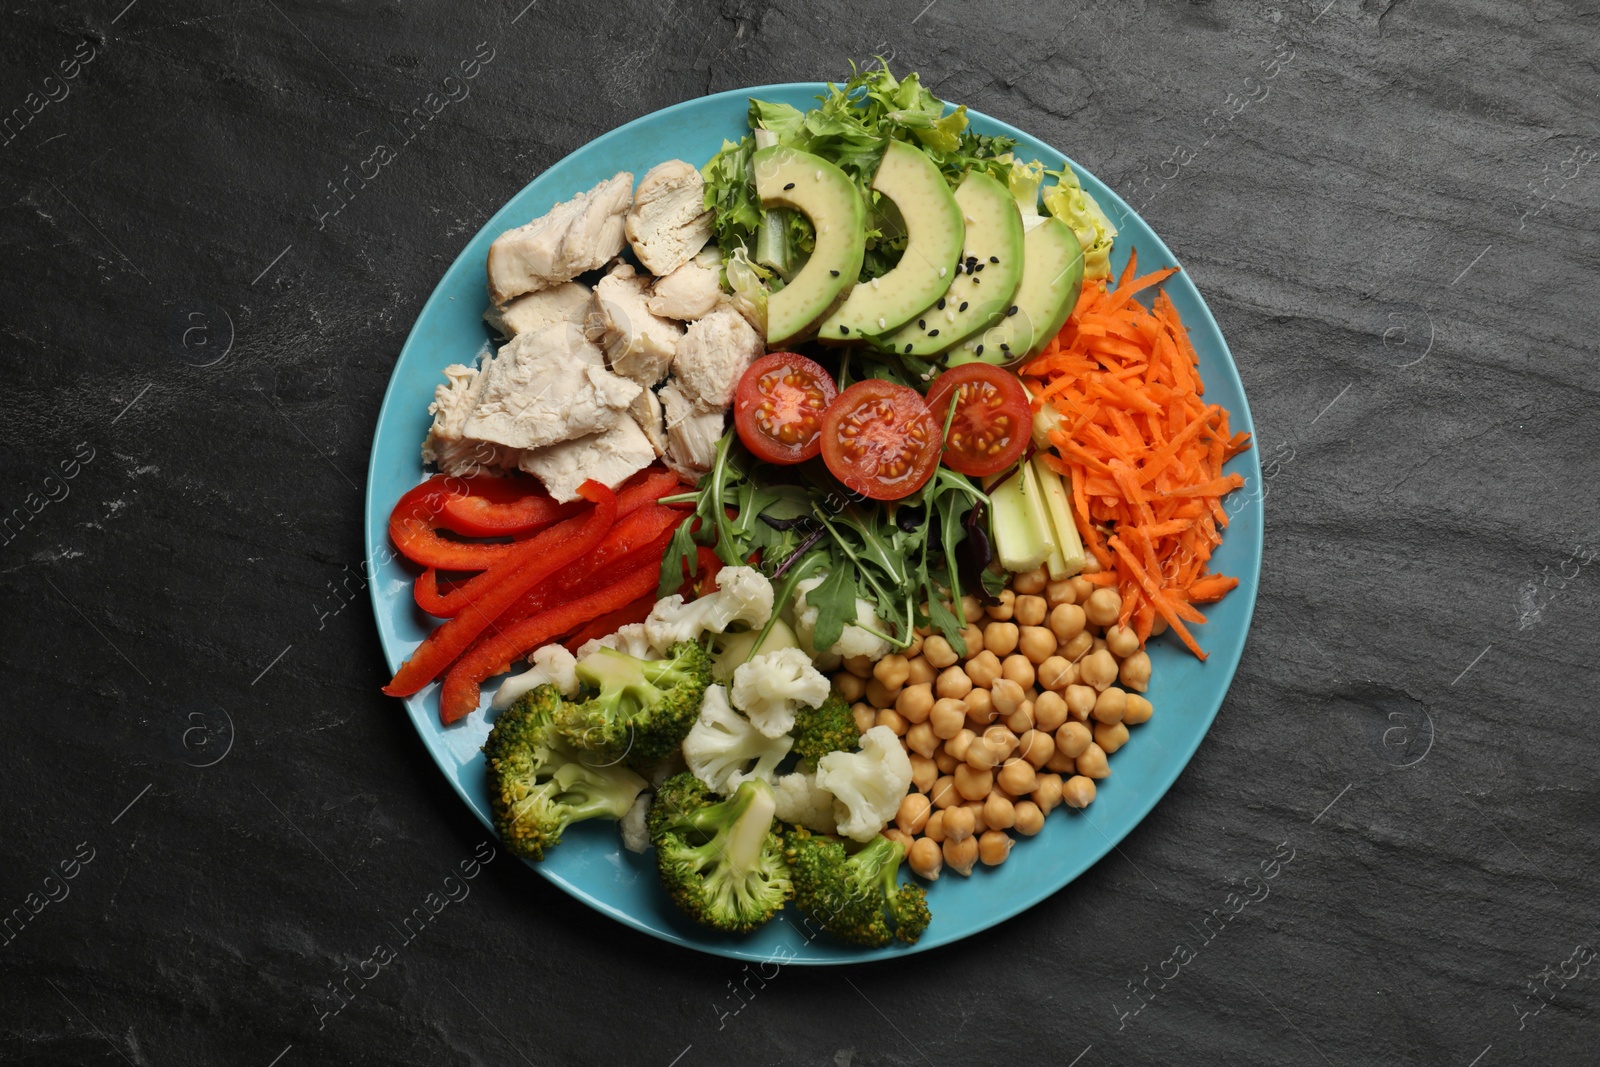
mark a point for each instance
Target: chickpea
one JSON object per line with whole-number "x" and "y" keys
{"x": 958, "y": 822}
{"x": 1158, "y": 627}
{"x": 980, "y": 706}
{"x": 1061, "y": 763}
{"x": 946, "y": 763}
{"x": 866, "y": 716}
{"x": 1036, "y": 746}
{"x": 993, "y": 847}
{"x": 935, "y": 827}
{"x": 1017, "y": 777}
{"x": 971, "y": 608}
{"x": 921, "y": 740}
{"x": 1135, "y": 671}
{"x": 1139, "y": 710}
{"x": 924, "y": 772}
{"x": 959, "y": 856}
{"x": 1083, "y": 587}
{"x": 958, "y": 746}
{"x": 1092, "y": 762}
{"x": 849, "y": 686}
{"x": 1019, "y": 669}
{"x": 1098, "y": 669}
{"x": 943, "y": 794}
{"x": 913, "y": 814}
{"x": 1098, "y": 645}
{"x": 915, "y": 702}
{"x": 1047, "y": 792}
{"x": 925, "y": 858}
{"x": 1076, "y": 648}
{"x": 1078, "y": 792}
{"x": 1080, "y": 701}
{"x": 1001, "y": 638}
{"x": 899, "y": 836}
{"x": 891, "y": 718}
{"x": 1030, "y": 582}
{"x": 999, "y": 813}
{"x": 1030, "y": 610}
{"x": 1002, "y": 611}
{"x": 1121, "y": 640}
{"x": 953, "y": 682}
{"x": 972, "y": 639}
{"x": 1020, "y": 721}
{"x": 983, "y": 669}
{"x": 947, "y": 717}
{"x": 1056, "y": 673}
{"x": 1110, "y": 736}
{"x": 860, "y": 666}
{"x": 1029, "y": 819}
{"x": 1059, "y": 592}
{"x": 1002, "y": 740}
{"x": 892, "y": 670}
{"x": 1049, "y": 712}
{"x": 1110, "y": 706}
{"x": 1103, "y": 607}
{"x": 1037, "y": 643}
{"x": 914, "y": 649}
{"x": 1007, "y": 696}
{"x": 937, "y": 651}
{"x": 880, "y": 695}
{"x": 1072, "y": 739}
{"x": 982, "y": 756}
{"x": 978, "y": 823}
{"x": 972, "y": 783}
{"x": 920, "y": 671}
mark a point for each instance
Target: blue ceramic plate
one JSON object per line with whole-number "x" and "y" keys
{"x": 591, "y": 863}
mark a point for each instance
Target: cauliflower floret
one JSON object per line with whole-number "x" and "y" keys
{"x": 771, "y": 687}
{"x": 635, "y": 837}
{"x": 722, "y": 744}
{"x": 743, "y": 595}
{"x": 802, "y": 802}
{"x": 854, "y": 641}
{"x": 552, "y": 665}
{"x": 868, "y": 785}
{"x": 629, "y": 639}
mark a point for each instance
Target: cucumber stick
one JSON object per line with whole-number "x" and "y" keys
{"x": 1023, "y": 538}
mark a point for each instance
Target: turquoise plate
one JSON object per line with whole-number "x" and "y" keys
{"x": 591, "y": 864}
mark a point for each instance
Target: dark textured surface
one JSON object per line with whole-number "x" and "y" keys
{"x": 1394, "y": 224}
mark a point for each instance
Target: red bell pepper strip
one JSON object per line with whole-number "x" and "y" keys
{"x": 704, "y": 578}
{"x": 539, "y": 557}
{"x": 609, "y": 624}
{"x": 412, "y": 528}
{"x": 494, "y": 511}
{"x": 462, "y": 686}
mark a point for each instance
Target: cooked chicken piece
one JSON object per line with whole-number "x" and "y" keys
{"x": 669, "y": 222}
{"x": 610, "y": 457}
{"x": 577, "y": 235}
{"x": 690, "y": 292}
{"x": 646, "y": 411}
{"x": 446, "y": 446}
{"x": 545, "y": 387}
{"x": 567, "y": 302}
{"x": 713, "y": 354}
{"x": 692, "y": 432}
{"x": 638, "y": 345}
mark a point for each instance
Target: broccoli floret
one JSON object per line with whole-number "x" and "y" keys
{"x": 858, "y": 897}
{"x": 638, "y": 709}
{"x": 720, "y": 861}
{"x": 828, "y": 727}
{"x": 539, "y": 786}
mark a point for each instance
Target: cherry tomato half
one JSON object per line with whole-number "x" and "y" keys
{"x": 879, "y": 440}
{"x": 992, "y": 421}
{"x": 779, "y": 405}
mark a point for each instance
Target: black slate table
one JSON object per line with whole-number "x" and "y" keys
{"x": 1391, "y": 209}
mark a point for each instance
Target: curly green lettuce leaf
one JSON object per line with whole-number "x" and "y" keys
{"x": 1069, "y": 202}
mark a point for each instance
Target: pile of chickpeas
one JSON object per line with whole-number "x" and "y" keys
{"x": 1048, "y": 689}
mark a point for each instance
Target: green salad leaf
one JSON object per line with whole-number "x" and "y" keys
{"x": 1069, "y": 202}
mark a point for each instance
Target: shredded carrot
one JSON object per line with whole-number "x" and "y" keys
{"x": 1142, "y": 453}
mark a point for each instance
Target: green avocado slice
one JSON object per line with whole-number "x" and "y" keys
{"x": 934, "y": 232}
{"x": 1052, "y": 276}
{"x": 811, "y": 185}
{"x": 986, "y": 276}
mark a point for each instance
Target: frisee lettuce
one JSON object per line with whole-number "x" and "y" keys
{"x": 1069, "y": 202}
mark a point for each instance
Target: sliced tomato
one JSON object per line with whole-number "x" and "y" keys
{"x": 779, "y": 406}
{"x": 879, "y": 439}
{"x": 992, "y": 422}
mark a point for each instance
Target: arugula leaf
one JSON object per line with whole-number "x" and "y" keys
{"x": 835, "y": 601}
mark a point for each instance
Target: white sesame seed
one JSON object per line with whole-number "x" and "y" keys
{"x": 817, "y": 176}
{"x": 942, "y": 272}
{"x": 881, "y": 322}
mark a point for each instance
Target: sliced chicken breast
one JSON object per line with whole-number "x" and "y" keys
{"x": 691, "y": 292}
{"x": 532, "y": 312}
{"x": 713, "y": 354}
{"x": 576, "y": 235}
{"x": 546, "y": 387}
{"x": 609, "y": 457}
{"x": 646, "y": 411}
{"x": 447, "y": 447}
{"x": 692, "y": 432}
{"x": 669, "y": 222}
{"x": 638, "y": 344}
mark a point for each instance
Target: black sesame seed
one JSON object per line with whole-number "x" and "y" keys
{"x": 977, "y": 281}
{"x": 963, "y": 306}
{"x": 922, "y": 324}
{"x": 908, "y": 348}
{"x": 980, "y": 266}
{"x": 1012, "y": 310}
{"x": 994, "y": 259}
{"x": 788, "y": 187}
{"x": 941, "y": 303}
{"x": 978, "y": 350}
{"x": 1004, "y": 347}
{"x": 844, "y": 329}
{"x": 834, "y": 273}
{"x": 933, "y": 333}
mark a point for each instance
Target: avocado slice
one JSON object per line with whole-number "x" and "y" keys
{"x": 986, "y": 275}
{"x": 1052, "y": 276}
{"x": 810, "y": 184}
{"x": 934, "y": 232}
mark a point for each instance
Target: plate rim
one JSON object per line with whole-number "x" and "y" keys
{"x": 376, "y": 519}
